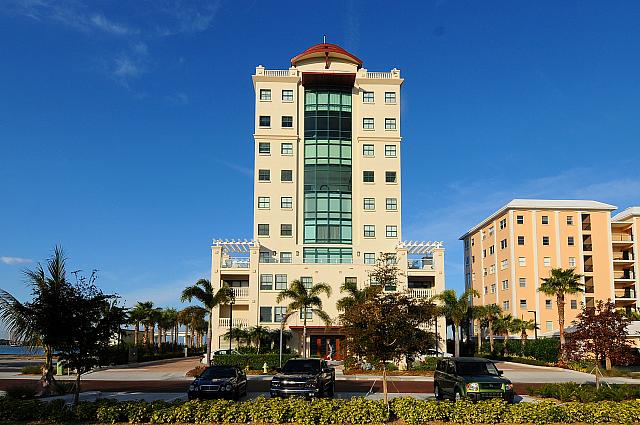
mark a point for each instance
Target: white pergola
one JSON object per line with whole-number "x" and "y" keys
{"x": 232, "y": 245}
{"x": 420, "y": 247}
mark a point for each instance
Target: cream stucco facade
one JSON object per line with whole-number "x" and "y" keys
{"x": 327, "y": 194}
{"x": 508, "y": 253}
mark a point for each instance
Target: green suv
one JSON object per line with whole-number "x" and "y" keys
{"x": 472, "y": 378}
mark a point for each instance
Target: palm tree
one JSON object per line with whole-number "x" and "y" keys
{"x": 479, "y": 313}
{"x": 522, "y": 326}
{"x": 170, "y": 320}
{"x": 456, "y": 309}
{"x": 256, "y": 334}
{"x": 492, "y": 312}
{"x": 204, "y": 292}
{"x": 238, "y": 334}
{"x": 306, "y": 300}
{"x": 503, "y": 325}
{"x": 136, "y": 316}
{"x": 355, "y": 295}
{"x": 193, "y": 318}
{"x": 155, "y": 315}
{"x": 558, "y": 284}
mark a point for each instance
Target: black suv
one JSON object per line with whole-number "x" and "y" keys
{"x": 219, "y": 382}
{"x": 472, "y": 378}
{"x": 304, "y": 377}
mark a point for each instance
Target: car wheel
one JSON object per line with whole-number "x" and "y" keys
{"x": 332, "y": 389}
{"x": 236, "y": 395}
{"x": 437, "y": 391}
{"x": 457, "y": 395}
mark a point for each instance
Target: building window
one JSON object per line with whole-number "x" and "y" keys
{"x": 490, "y": 230}
{"x": 369, "y": 231}
{"x": 265, "y": 121}
{"x": 505, "y": 284}
{"x": 369, "y": 258}
{"x": 492, "y": 269}
{"x": 522, "y": 261}
{"x": 547, "y": 261}
{"x": 545, "y": 219}
{"x": 265, "y": 257}
{"x": 570, "y": 241}
{"x": 307, "y": 312}
{"x": 390, "y": 177}
{"x": 286, "y": 149}
{"x": 279, "y": 314}
{"x": 367, "y": 176}
{"x": 390, "y": 150}
{"x": 549, "y": 325}
{"x": 369, "y": 203}
{"x": 286, "y": 257}
{"x": 266, "y": 282}
{"x": 389, "y": 97}
{"x": 547, "y": 304}
{"x": 486, "y": 290}
{"x": 503, "y": 223}
{"x": 263, "y": 230}
{"x": 503, "y": 244}
{"x": 505, "y": 305}
{"x": 493, "y": 288}
{"x": 391, "y": 231}
{"x": 287, "y": 95}
{"x": 264, "y": 148}
{"x": 286, "y": 230}
{"x": 520, "y": 240}
{"x": 574, "y": 305}
{"x": 523, "y": 304}
{"x": 545, "y": 240}
{"x": 484, "y": 253}
{"x": 367, "y": 97}
{"x": 389, "y": 123}
{"x": 520, "y": 219}
{"x": 264, "y": 175}
{"x": 504, "y": 264}
{"x": 281, "y": 282}
{"x": 492, "y": 250}
{"x": 265, "y": 314}
{"x": 265, "y": 94}
{"x": 264, "y": 202}
{"x": 572, "y": 261}
{"x": 392, "y": 204}
{"x": 287, "y": 121}
{"x": 570, "y": 220}
{"x": 523, "y": 282}
{"x": 367, "y": 123}
{"x": 286, "y": 202}
{"x": 286, "y": 175}
{"x": 306, "y": 281}
{"x": 367, "y": 150}
{"x": 351, "y": 280}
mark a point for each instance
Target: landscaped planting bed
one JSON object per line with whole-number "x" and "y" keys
{"x": 321, "y": 411}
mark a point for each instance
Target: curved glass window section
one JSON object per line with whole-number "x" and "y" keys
{"x": 327, "y": 165}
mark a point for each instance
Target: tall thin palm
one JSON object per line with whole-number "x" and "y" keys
{"x": 257, "y": 334}
{"x": 503, "y": 326}
{"x": 136, "y": 315}
{"x": 306, "y": 300}
{"x": 478, "y": 313}
{"x": 492, "y": 312}
{"x": 522, "y": 326}
{"x": 170, "y": 319}
{"x": 559, "y": 283}
{"x": 456, "y": 309}
{"x": 204, "y": 292}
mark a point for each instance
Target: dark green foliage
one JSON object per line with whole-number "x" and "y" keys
{"x": 21, "y": 392}
{"x": 571, "y": 391}
{"x": 31, "y": 370}
{"x": 429, "y": 363}
{"x": 543, "y": 349}
{"x": 254, "y": 361}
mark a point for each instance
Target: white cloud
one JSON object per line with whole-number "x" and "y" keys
{"x": 126, "y": 67}
{"x": 15, "y": 260}
{"x": 102, "y": 23}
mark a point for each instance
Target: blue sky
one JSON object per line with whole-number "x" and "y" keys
{"x": 126, "y": 127}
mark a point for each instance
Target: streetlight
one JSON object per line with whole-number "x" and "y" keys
{"x": 535, "y": 322}
{"x": 283, "y": 320}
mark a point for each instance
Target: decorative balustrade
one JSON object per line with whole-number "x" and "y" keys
{"x": 237, "y": 322}
{"x": 236, "y": 263}
{"x": 422, "y": 292}
{"x": 379, "y": 75}
{"x": 421, "y": 264}
{"x": 240, "y": 292}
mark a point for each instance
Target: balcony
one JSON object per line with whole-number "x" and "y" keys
{"x": 624, "y": 275}
{"x": 621, "y": 237}
{"x": 626, "y": 294}
{"x": 223, "y": 322}
{"x": 236, "y": 263}
{"x": 240, "y": 293}
{"x": 422, "y": 292}
{"x": 421, "y": 264}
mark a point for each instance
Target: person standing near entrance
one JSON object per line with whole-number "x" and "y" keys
{"x": 331, "y": 351}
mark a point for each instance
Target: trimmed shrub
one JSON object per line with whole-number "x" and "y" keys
{"x": 571, "y": 391}
{"x": 253, "y": 361}
{"x": 31, "y": 369}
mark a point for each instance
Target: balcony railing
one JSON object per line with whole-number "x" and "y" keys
{"x": 236, "y": 263}
{"x": 240, "y": 292}
{"x": 627, "y": 274}
{"x": 586, "y": 226}
{"x": 237, "y": 322}
{"x": 627, "y": 294}
{"x": 421, "y": 264}
{"x": 588, "y": 269}
{"x": 422, "y": 292}
{"x": 621, "y": 238}
{"x": 587, "y": 247}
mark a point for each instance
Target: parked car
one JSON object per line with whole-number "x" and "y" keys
{"x": 219, "y": 382}
{"x": 304, "y": 377}
{"x": 472, "y": 378}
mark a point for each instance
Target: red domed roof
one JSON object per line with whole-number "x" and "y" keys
{"x": 326, "y": 49}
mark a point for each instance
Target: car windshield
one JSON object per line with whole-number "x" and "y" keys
{"x": 301, "y": 366}
{"x": 218, "y": 373}
{"x": 477, "y": 368}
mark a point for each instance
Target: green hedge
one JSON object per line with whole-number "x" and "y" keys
{"x": 320, "y": 411}
{"x": 253, "y": 361}
{"x": 571, "y": 391}
{"x": 543, "y": 349}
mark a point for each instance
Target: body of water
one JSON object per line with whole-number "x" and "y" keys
{"x": 20, "y": 351}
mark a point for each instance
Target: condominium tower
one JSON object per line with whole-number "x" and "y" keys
{"x": 508, "y": 254}
{"x": 327, "y": 195}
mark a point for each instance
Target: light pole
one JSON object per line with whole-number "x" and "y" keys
{"x": 535, "y": 322}
{"x": 283, "y": 320}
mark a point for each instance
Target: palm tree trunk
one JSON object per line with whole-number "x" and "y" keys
{"x": 209, "y": 336}
{"x": 560, "y": 302}
{"x": 47, "y": 370}
{"x": 523, "y": 338}
{"x": 479, "y": 336}
{"x": 491, "y": 335}
{"x": 384, "y": 383}
{"x": 304, "y": 333}
{"x": 506, "y": 339}
{"x": 76, "y": 394}
{"x": 145, "y": 333}
{"x": 135, "y": 333}
{"x": 456, "y": 336}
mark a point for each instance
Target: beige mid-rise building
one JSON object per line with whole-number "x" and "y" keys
{"x": 327, "y": 195}
{"x": 508, "y": 254}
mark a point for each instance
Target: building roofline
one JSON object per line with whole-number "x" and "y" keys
{"x": 626, "y": 213}
{"x": 544, "y": 204}
{"x": 326, "y": 49}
